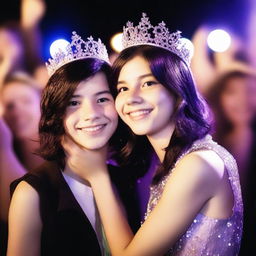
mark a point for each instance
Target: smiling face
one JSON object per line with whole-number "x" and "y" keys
{"x": 142, "y": 102}
{"x": 91, "y": 118}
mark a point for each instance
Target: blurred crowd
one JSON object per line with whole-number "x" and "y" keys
{"x": 226, "y": 80}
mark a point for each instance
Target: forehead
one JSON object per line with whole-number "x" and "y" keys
{"x": 134, "y": 68}
{"x": 15, "y": 90}
{"x": 93, "y": 84}
{"x": 241, "y": 83}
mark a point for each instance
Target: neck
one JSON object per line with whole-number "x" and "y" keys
{"x": 161, "y": 140}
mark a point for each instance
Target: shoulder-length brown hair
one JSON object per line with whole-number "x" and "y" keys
{"x": 55, "y": 98}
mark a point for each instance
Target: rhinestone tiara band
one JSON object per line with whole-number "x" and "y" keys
{"x": 76, "y": 50}
{"x": 146, "y": 34}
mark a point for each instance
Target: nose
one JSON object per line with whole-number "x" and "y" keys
{"x": 134, "y": 97}
{"x": 90, "y": 112}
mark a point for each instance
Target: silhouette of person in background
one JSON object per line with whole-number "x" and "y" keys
{"x": 20, "y": 95}
{"x": 206, "y": 68}
{"x": 20, "y": 99}
{"x": 233, "y": 100}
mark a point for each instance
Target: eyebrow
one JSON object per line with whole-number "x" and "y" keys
{"x": 139, "y": 78}
{"x": 96, "y": 94}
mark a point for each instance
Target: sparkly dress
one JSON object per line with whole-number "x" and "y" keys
{"x": 206, "y": 235}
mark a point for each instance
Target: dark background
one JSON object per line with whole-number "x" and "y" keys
{"x": 104, "y": 18}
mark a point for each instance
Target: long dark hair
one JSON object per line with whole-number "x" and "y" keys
{"x": 55, "y": 98}
{"x": 191, "y": 115}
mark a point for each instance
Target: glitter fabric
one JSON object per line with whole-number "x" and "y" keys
{"x": 206, "y": 235}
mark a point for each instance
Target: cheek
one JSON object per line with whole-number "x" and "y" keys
{"x": 35, "y": 112}
{"x": 111, "y": 113}
{"x": 166, "y": 101}
{"x": 118, "y": 105}
{"x": 226, "y": 102}
{"x": 67, "y": 123}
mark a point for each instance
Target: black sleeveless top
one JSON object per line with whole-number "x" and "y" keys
{"x": 66, "y": 229}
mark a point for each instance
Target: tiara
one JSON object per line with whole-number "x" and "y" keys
{"x": 146, "y": 34}
{"x": 76, "y": 50}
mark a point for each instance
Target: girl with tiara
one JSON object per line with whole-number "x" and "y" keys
{"x": 195, "y": 205}
{"x": 52, "y": 209}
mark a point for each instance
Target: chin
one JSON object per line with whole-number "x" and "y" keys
{"x": 139, "y": 132}
{"x": 94, "y": 146}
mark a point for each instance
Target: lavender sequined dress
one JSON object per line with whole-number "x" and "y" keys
{"x": 208, "y": 236}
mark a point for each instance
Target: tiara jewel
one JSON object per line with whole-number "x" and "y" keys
{"x": 77, "y": 49}
{"x": 146, "y": 34}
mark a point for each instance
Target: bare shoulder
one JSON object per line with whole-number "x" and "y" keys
{"x": 25, "y": 223}
{"x": 25, "y": 191}
{"x": 202, "y": 169}
{"x": 204, "y": 162}
{"x": 25, "y": 199}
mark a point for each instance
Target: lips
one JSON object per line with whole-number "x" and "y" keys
{"x": 139, "y": 114}
{"x": 93, "y": 128}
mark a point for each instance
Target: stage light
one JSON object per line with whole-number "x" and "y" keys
{"x": 219, "y": 40}
{"x": 59, "y": 44}
{"x": 116, "y": 42}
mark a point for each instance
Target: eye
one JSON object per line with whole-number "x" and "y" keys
{"x": 149, "y": 83}
{"x": 122, "y": 89}
{"x": 10, "y": 106}
{"x": 73, "y": 103}
{"x": 102, "y": 100}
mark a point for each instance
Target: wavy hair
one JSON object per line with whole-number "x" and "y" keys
{"x": 55, "y": 98}
{"x": 191, "y": 115}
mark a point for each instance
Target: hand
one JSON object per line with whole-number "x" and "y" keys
{"x": 203, "y": 69}
{"x": 10, "y": 48}
{"x": 32, "y": 12}
{"x": 85, "y": 163}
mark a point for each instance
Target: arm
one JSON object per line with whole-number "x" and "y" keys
{"x": 170, "y": 218}
{"x": 24, "y": 222}
{"x": 32, "y": 12}
{"x": 227, "y": 62}
{"x": 10, "y": 51}
{"x": 201, "y": 65}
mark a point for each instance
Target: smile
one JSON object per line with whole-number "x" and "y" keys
{"x": 139, "y": 114}
{"x": 93, "y": 129}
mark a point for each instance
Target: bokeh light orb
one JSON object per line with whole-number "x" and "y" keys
{"x": 116, "y": 42}
{"x": 219, "y": 40}
{"x": 57, "y": 45}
